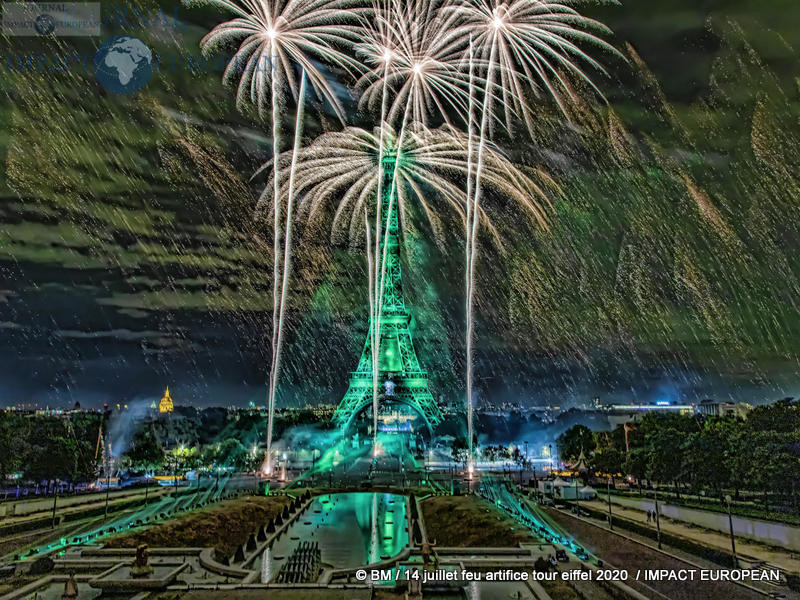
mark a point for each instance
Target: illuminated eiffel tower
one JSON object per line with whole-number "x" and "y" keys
{"x": 402, "y": 378}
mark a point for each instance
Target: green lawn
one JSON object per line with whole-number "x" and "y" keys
{"x": 222, "y": 527}
{"x": 456, "y": 521}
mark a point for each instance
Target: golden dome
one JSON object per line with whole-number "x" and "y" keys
{"x": 165, "y": 406}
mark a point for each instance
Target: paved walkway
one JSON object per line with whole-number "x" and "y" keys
{"x": 783, "y": 559}
{"x": 623, "y": 553}
{"x": 136, "y": 495}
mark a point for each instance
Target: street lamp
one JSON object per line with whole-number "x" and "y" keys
{"x": 658, "y": 519}
{"x": 527, "y": 457}
{"x": 733, "y": 539}
{"x": 608, "y": 496}
{"x": 55, "y": 501}
{"x": 108, "y": 489}
{"x": 175, "y": 476}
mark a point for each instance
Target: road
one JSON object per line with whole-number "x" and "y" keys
{"x": 752, "y": 551}
{"x": 623, "y": 553}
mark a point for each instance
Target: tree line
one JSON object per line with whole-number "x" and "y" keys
{"x": 700, "y": 453}
{"x": 46, "y": 447}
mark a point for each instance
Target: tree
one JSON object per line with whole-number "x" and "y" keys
{"x": 224, "y": 454}
{"x": 184, "y": 457}
{"x": 761, "y": 452}
{"x": 665, "y": 455}
{"x": 252, "y": 461}
{"x": 636, "y": 463}
{"x": 609, "y": 453}
{"x": 489, "y": 453}
{"x": 575, "y": 440}
{"x": 706, "y": 454}
{"x": 738, "y": 458}
{"x": 14, "y": 442}
{"x": 146, "y": 452}
{"x": 781, "y": 417}
{"x": 663, "y": 436}
{"x": 84, "y": 428}
{"x": 765, "y": 469}
{"x": 53, "y": 450}
{"x": 459, "y": 450}
{"x": 517, "y": 455}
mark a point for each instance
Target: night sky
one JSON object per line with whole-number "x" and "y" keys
{"x": 130, "y": 257}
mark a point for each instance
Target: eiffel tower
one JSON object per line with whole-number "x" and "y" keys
{"x": 404, "y": 381}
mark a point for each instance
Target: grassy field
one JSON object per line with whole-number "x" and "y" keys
{"x": 222, "y": 527}
{"x": 471, "y": 522}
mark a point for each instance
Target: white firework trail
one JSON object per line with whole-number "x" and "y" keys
{"x": 523, "y": 45}
{"x": 275, "y": 38}
{"x": 382, "y": 56}
{"x": 468, "y": 245}
{"x": 381, "y": 274}
{"x": 411, "y": 53}
{"x": 530, "y": 46}
{"x": 276, "y": 354}
{"x": 371, "y": 293}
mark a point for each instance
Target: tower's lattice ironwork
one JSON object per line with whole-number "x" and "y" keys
{"x": 397, "y": 359}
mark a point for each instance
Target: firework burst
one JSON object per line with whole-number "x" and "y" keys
{"x": 412, "y": 53}
{"x": 278, "y": 38}
{"x": 529, "y": 45}
{"x": 338, "y": 173}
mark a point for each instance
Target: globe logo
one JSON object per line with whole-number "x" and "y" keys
{"x": 44, "y": 24}
{"x": 123, "y": 64}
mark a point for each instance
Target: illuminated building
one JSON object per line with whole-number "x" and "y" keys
{"x": 165, "y": 406}
{"x": 399, "y": 371}
{"x": 721, "y": 409}
{"x": 625, "y": 413}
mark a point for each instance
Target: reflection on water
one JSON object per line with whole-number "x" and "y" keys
{"x": 351, "y": 529}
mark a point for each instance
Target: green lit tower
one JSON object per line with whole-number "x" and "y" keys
{"x": 398, "y": 361}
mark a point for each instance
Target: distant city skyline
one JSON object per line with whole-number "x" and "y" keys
{"x": 205, "y": 392}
